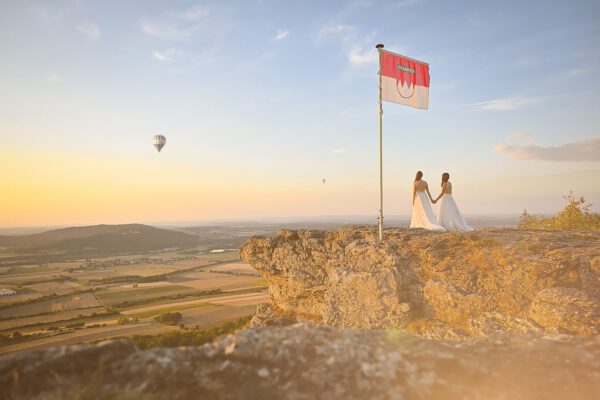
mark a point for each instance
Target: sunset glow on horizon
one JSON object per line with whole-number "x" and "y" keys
{"x": 260, "y": 101}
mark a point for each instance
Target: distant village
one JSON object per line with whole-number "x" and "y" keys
{"x": 115, "y": 262}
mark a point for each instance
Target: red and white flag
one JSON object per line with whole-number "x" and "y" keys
{"x": 404, "y": 80}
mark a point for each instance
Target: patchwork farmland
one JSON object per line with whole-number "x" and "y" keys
{"x": 91, "y": 299}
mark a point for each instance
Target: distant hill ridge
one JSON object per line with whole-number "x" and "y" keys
{"x": 99, "y": 239}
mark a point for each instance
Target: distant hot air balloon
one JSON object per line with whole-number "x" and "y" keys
{"x": 323, "y": 180}
{"x": 159, "y": 142}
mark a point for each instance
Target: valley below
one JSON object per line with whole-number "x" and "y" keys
{"x": 121, "y": 292}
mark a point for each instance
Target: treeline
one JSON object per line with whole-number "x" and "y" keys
{"x": 178, "y": 296}
{"x": 115, "y": 279}
{"x": 236, "y": 273}
{"x": 194, "y": 337}
{"x": 57, "y": 279}
{"x": 577, "y": 215}
{"x": 170, "y": 319}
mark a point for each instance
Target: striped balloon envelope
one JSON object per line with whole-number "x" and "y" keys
{"x": 159, "y": 142}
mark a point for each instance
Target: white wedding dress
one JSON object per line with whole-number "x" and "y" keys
{"x": 422, "y": 213}
{"x": 449, "y": 215}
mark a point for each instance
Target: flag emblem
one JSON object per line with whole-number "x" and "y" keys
{"x": 404, "y": 80}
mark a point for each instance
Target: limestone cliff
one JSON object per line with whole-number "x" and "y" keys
{"x": 437, "y": 285}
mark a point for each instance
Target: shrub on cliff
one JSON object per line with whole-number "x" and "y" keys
{"x": 576, "y": 215}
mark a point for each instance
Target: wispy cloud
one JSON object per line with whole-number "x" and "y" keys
{"x": 164, "y": 56}
{"x": 280, "y": 35}
{"x": 194, "y": 13}
{"x": 403, "y": 3}
{"x": 357, "y": 48}
{"x": 360, "y": 55}
{"x": 177, "y": 25}
{"x": 508, "y": 104}
{"x": 338, "y": 151}
{"x": 343, "y": 34}
{"x": 90, "y": 30}
{"x": 583, "y": 150}
{"x": 166, "y": 29}
{"x": 518, "y": 102}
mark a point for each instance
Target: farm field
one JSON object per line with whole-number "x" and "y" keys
{"x": 118, "y": 296}
{"x": 87, "y": 335}
{"x": 76, "y": 301}
{"x": 13, "y": 323}
{"x": 235, "y": 268}
{"x": 240, "y": 298}
{"x": 63, "y": 303}
{"x": 207, "y": 280}
{"x": 206, "y": 317}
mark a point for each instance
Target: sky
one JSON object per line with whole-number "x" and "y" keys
{"x": 261, "y": 100}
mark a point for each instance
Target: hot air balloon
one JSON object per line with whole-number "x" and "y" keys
{"x": 159, "y": 142}
{"x": 323, "y": 180}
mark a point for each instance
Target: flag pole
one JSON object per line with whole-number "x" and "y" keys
{"x": 380, "y": 217}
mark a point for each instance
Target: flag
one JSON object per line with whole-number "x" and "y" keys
{"x": 404, "y": 80}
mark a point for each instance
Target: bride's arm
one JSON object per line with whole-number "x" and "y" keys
{"x": 428, "y": 193}
{"x": 441, "y": 194}
{"x": 414, "y": 192}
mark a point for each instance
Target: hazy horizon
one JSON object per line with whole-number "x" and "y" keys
{"x": 261, "y": 100}
{"x": 391, "y": 220}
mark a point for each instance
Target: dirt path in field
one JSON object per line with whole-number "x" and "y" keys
{"x": 213, "y": 299}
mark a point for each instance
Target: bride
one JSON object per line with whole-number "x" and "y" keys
{"x": 422, "y": 214}
{"x": 449, "y": 215}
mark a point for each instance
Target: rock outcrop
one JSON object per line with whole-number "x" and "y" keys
{"x": 437, "y": 285}
{"x": 494, "y": 314}
{"x": 312, "y": 362}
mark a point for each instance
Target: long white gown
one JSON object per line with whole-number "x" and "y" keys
{"x": 449, "y": 215}
{"x": 422, "y": 213}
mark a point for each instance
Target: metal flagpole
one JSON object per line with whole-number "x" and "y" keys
{"x": 380, "y": 217}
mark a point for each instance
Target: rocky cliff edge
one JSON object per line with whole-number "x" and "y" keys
{"x": 436, "y": 285}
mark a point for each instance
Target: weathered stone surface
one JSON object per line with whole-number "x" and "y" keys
{"x": 566, "y": 310}
{"x": 265, "y": 316}
{"x": 313, "y": 362}
{"x": 435, "y": 284}
{"x": 494, "y": 323}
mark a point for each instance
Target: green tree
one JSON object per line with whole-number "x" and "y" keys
{"x": 169, "y": 318}
{"x": 577, "y": 214}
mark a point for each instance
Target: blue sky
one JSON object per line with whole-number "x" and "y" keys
{"x": 259, "y": 100}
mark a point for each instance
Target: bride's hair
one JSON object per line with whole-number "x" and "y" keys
{"x": 445, "y": 178}
{"x": 419, "y": 175}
